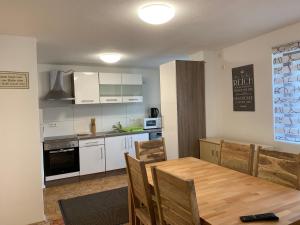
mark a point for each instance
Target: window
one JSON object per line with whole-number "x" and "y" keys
{"x": 286, "y": 92}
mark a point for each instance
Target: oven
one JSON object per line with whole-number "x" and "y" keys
{"x": 155, "y": 135}
{"x": 61, "y": 159}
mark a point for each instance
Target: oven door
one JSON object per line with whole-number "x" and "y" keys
{"x": 61, "y": 161}
{"x": 155, "y": 136}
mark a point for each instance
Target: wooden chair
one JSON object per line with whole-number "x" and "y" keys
{"x": 237, "y": 156}
{"x": 140, "y": 190}
{"x": 176, "y": 199}
{"x": 279, "y": 167}
{"x": 151, "y": 151}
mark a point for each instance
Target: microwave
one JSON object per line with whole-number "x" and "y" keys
{"x": 152, "y": 123}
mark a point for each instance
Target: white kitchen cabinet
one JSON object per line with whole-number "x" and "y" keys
{"x": 132, "y": 89}
{"x": 131, "y": 139}
{"x": 132, "y": 79}
{"x": 92, "y": 156}
{"x": 86, "y": 88}
{"x": 110, "y": 78}
{"x": 94, "y": 88}
{"x": 110, "y": 87}
{"x": 117, "y": 146}
{"x": 115, "y": 149}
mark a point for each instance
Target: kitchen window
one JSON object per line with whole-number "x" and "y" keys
{"x": 286, "y": 92}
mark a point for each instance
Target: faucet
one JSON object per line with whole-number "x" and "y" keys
{"x": 118, "y": 127}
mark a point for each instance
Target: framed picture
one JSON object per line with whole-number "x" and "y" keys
{"x": 243, "y": 88}
{"x": 14, "y": 80}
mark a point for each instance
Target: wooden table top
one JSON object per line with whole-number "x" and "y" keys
{"x": 223, "y": 195}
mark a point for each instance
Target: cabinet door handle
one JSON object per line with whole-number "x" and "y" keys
{"x": 87, "y": 100}
{"x": 90, "y": 144}
{"x": 62, "y": 150}
{"x": 125, "y": 142}
{"x": 132, "y": 99}
{"x": 111, "y": 100}
{"x": 101, "y": 152}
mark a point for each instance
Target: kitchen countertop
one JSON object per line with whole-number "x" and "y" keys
{"x": 103, "y": 134}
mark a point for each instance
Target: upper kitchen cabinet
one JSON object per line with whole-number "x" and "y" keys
{"x": 110, "y": 86}
{"x": 132, "y": 88}
{"x": 86, "y": 88}
{"x": 132, "y": 79}
{"x": 91, "y": 88}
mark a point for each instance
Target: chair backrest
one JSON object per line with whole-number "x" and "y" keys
{"x": 140, "y": 188}
{"x": 237, "y": 156}
{"x": 279, "y": 167}
{"x": 151, "y": 151}
{"x": 176, "y": 199}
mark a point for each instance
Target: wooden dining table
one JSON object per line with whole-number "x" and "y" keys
{"x": 223, "y": 195}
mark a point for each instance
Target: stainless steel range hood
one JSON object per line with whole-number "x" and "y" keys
{"x": 57, "y": 91}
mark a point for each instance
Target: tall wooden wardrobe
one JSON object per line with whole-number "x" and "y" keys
{"x": 182, "y": 89}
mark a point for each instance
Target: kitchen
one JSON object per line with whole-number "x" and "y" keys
{"x": 67, "y": 121}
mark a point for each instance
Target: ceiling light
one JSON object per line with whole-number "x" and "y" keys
{"x": 156, "y": 13}
{"x": 110, "y": 57}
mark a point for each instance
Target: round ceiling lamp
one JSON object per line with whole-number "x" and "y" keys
{"x": 156, "y": 13}
{"x": 110, "y": 57}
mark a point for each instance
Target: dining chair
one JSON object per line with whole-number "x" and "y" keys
{"x": 140, "y": 191}
{"x": 176, "y": 199}
{"x": 279, "y": 167}
{"x": 151, "y": 151}
{"x": 237, "y": 156}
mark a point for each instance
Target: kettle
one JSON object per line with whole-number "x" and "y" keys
{"x": 154, "y": 112}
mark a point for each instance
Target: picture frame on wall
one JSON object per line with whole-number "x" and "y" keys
{"x": 243, "y": 88}
{"x": 14, "y": 80}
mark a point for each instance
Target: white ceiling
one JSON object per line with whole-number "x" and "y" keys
{"x": 75, "y": 31}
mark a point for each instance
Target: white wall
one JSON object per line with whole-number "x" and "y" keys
{"x": 76, "y": 118}
{"x": 247, "y": 126}
{"x": 21, "y": 196}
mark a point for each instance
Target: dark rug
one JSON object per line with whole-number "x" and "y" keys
{"x": 103, "y": 208}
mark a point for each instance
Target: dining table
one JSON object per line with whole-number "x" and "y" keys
{"x": 223, "y": 195}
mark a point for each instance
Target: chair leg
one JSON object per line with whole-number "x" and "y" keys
{"x": 137, "y": 221}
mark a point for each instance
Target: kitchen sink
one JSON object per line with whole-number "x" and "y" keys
{"x": 114, "y": 132}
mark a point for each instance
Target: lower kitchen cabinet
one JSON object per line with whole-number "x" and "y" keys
{"x": 117, "y": 146}
{"x": 92, "y": 156}
{"x": 133, "y": 138}
{"x": 210, "y": 150}
{"x": 115, "y": 149}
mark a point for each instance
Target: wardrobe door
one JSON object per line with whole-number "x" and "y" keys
{"x": 190, "y": 83}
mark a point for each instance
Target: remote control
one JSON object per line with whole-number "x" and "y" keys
{"x": 259, "y": 217}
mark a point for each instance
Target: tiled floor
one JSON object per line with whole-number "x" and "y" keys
{"x": 53, "y": 194}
